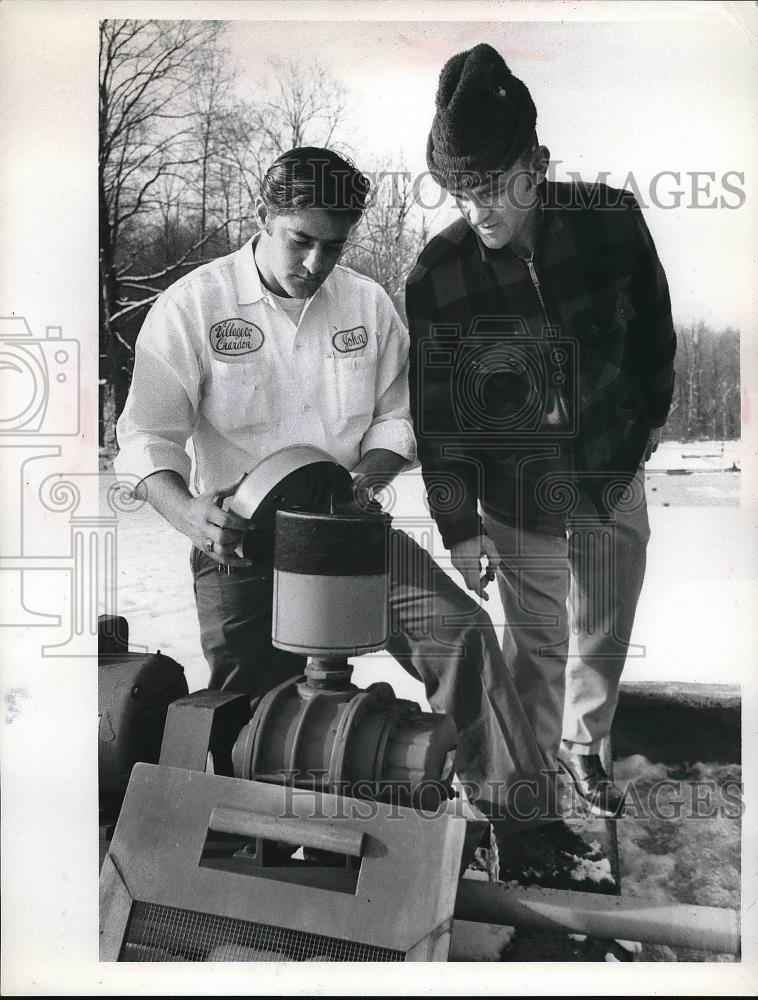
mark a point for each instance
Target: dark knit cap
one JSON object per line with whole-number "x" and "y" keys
{"x": 484, "y": 120}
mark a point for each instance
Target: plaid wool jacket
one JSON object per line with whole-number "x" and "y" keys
{"x": 531, "y": 384}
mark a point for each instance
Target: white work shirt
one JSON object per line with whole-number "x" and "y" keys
{"x": 216, "y": 361}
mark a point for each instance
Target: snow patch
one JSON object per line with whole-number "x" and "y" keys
{"x": 592, "y": 871}
{"x": 633, "y": 947}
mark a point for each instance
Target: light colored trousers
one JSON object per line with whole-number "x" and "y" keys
{"x": 595, "y": 572}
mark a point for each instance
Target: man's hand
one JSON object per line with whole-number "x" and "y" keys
{"x": 199, "y": 518}
{"x": 214, "y": 530}
{"x": 653, "y": 440}
{"x": 467, "y": 559}
{"x": 376, "y": 469}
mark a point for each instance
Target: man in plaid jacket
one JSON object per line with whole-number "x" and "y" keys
{"x": 542, "y": 350}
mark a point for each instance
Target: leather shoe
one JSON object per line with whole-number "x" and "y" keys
{"x": 592, "y": 784}
{"x": 553, "y": 856}
{"x": 568, "y": 843}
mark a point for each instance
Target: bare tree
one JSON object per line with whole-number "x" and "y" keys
{"x": 693, "y": 380}
{"x": 391, "y": 234}
{"x": 309, "y": 108}
{"x": 706, "y": 403}
{"x": 306, "y": 107}
{"x": 181, "y": 160}
{"x": 208, "y": 103}
{"x": 144, "y": 66}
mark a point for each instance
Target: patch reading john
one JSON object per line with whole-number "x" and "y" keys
{"x": 233, "y": 337}
{"x": 350, "y": 340}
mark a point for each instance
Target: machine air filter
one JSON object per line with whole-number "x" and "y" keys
{"x": 331, "y": 583}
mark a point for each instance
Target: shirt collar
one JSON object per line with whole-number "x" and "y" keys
{"x": 250, "y": 288}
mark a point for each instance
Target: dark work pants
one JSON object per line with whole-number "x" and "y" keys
{"x": 439, "y": 635}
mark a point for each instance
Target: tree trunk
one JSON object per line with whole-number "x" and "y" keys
{"x": 106, "y": 308}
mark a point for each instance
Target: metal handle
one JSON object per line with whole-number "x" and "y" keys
{"x": 302, "y": 833}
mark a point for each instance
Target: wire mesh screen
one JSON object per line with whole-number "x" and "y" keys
{"x": 166, "y": 934}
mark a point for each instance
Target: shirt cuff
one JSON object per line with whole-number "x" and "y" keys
{"x": 393, "y": 435}
{"x": 138, "y": 461}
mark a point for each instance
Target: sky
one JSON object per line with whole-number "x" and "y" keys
{"x": 622, "y": 97}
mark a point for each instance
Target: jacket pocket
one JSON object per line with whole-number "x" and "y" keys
{"x": 602, "y": 332}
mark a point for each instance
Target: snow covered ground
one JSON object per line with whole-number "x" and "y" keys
{"x": 696, "y": 456}
{"x": 695, "y": 622}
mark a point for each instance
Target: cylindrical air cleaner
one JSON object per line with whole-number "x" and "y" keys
{"x": 331, "y": 582}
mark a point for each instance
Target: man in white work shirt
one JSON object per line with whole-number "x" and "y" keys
{"x": 278, "y": 345}
{"x": 224, "y": 358}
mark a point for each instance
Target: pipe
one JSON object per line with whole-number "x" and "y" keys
{"x": 706, "y": 927}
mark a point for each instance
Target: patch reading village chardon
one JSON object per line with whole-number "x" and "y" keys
{"x": 350, "y": 340}
{"x": 233, "y": 337}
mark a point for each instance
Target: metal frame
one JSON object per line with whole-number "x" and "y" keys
{"x": 168, "y": 812}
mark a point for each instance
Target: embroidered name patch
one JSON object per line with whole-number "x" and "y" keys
{"x": 232, "y": 337}
{"x": 350, "y": 340}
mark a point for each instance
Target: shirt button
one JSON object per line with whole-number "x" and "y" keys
{"x": 297, "y": 347}
{"x": 306, "y": 408}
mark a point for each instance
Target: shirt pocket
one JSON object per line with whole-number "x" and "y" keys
{"x": 602, "y": 332}
{"x": 242, "y": 396}
{"x": 355, "y": 386}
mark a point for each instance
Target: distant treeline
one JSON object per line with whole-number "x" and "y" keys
{"x": 706, "y": 404}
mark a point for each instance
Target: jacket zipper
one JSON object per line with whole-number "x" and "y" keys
{"x": 560, "y": 397}
{"x": 536, "y": 282}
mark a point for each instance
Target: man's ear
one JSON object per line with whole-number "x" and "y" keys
{"x": 262, "y": 214}
{"x": 540, "y": 163}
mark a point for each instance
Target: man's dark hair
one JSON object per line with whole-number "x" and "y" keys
{"x": 311, "y": 177}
